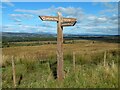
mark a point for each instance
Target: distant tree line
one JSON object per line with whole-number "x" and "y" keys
{"x": 10, "y": 41}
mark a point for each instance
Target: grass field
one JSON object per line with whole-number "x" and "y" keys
{"x": 36, "y": 65}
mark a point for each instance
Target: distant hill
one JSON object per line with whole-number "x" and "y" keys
{"x": 18, "y": 37}
{"x": 13, "y": 34}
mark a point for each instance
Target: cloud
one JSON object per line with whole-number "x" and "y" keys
{"x": 27, "y": 28}
{"x": 14, "y": 28}
{"x": 37, "y": 12}
{"x": 110, "y": 8}
{"x": 113, "y": 19}
{"x": 47, "y": 24}
{"x": 91, "y": 17}
{"x": 7, "y": 28}
{"x": 27, "y": 16}
{"x": 115, "y": 10}
{"x": 100, "y": 27}
{"x": 17, "y": 20}
{"x": 89, "y": 29}
{"x": 19, "y": 17}
{"x": 7, "y": 2}
{"x": 108, "y": 5}
{"x": 85, "y": 22}
{"x": 102, "y": 20}
{"x": 70, "y": 11}
{"x": 97, "y": 24}
{"x": 67, "y": 12}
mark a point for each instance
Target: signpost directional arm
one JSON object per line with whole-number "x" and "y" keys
{"x": 69, "y": 24}
{"x": 48, "y": 18}
{"x": 69, "y": 19}
{"x": 53, "y": 18}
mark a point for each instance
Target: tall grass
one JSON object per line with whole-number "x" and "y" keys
{"x": 39, "y": 70}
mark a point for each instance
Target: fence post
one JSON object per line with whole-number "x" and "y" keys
{"x": 113, "y": 64}
{"x": 105, "y": 58}
{"x": 74, "y": 61}
{"x": 49, "y": 71}
{"x": 13, "y": 70}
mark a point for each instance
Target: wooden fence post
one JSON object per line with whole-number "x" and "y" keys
{"x": 113, "y": 64}
{"x": 13, "y": 70}
{"x": 74, "y": 61}
{"x": 105, "y": 58}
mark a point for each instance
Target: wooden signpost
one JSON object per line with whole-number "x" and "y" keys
{"x": 61, "y": 22}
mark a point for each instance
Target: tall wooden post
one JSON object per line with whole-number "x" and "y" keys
{"x": 59, "y": 48}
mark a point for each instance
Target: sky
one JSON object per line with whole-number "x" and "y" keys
{"x": 92, "y": 17}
